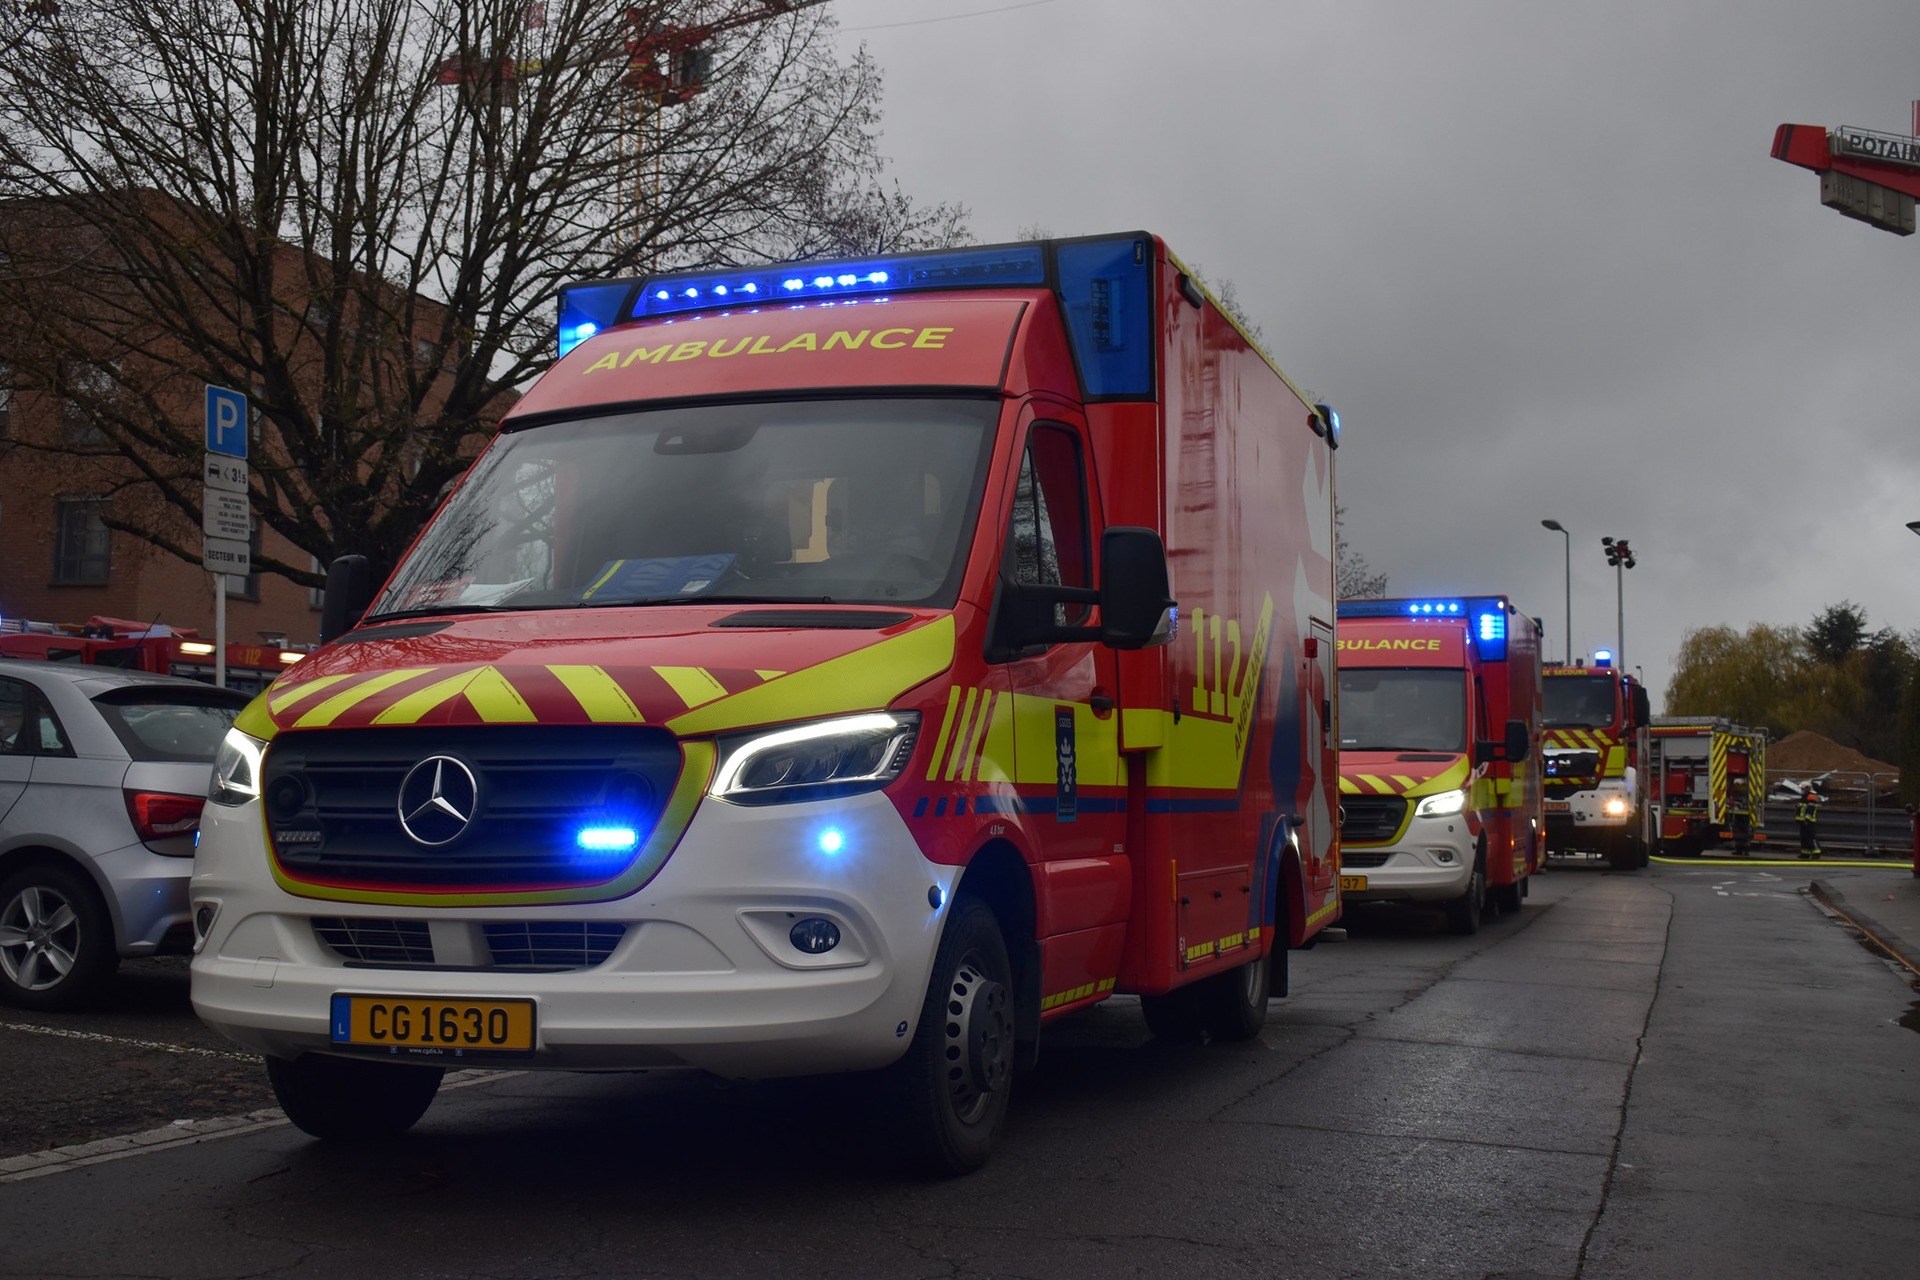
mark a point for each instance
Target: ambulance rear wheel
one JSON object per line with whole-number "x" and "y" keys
{"x": 949, "y": 1093}
{"x": 352, "y": 1099}
{"x": 1507, "y": 898}
{"x": 1464, "y": 912}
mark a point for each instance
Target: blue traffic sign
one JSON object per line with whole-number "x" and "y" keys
{"x": 226, "y": 422}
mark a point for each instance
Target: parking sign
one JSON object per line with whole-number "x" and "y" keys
{"x": 226, "y": 421}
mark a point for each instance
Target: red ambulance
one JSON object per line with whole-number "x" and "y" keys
{"x": 797, "y": 685}
{"x": 1439, "y": 719}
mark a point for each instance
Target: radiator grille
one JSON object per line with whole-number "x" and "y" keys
{"x": 377, "y": 942}
{"x": 1362, "y": 861}
{"x": 333, "y": 801}
{"x": 1371, "y": 819}
{"x": 552, "y": 944}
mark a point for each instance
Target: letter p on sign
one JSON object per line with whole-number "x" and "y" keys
{"x": 226, "y": 421}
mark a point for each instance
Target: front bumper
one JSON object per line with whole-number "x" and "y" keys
{"x": 1432, "y": 861}
{"x": 703, "y": 976}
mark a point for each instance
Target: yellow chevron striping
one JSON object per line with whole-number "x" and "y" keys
{"x": 962, "y": 736}
{"x": 1348, "y": 786}
{"x": 497, "y": 701}
{"x": 768, "y": 675}
{"x": 1404, "y": 781}
{"x": 281, "y": 699}
{"x": 988, "y": 704}
{"x": 946, "y": 732}
{"x": 331, "y": 709}
{"x": 1380, "y": 785}
{"x": 414, "y": 707}
{"x": 695, "y": 685}
{"x": 598, "y": 694}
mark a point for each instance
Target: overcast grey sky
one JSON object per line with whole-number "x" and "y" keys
{"x": 1536, "y": 253}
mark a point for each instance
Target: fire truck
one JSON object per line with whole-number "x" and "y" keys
{"x": 1439, "y": 787}
{"x": 140, "y": 646}
{"x": 833, "y": 666}
{"x": 1595, "y": 760}
{"x": 1712, "y": 780}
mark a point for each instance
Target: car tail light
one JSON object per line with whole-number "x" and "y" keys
{"x": 158, "y": 815}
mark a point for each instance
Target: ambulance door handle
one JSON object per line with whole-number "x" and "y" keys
{"x": 1101, "y": 704}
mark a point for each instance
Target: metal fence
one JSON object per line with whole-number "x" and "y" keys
{"x": 1861, "y": 812}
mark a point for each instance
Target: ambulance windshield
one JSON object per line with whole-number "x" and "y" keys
{"x": 1585, "y": 702}
{"x": 1403, "y": 709}
{"x": 843, "y": 502}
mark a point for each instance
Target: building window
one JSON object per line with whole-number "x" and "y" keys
{"x": 316, "y": 596}
{"x": 247, "y": 586}
{"x": 82, "y": 543}
{"x": 90, "y": 388}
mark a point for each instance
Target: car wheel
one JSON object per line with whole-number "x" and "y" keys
{"x": 1507, "y": 898}
{"x": 948, "y": 1094}
{"x": 351, "y": 1099}
{"x": 1464, "y": 912}
{"x": 56, "y": 942}
{"x": 1235, "y": 1002}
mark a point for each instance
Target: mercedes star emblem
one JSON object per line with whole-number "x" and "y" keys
{"x": 438, "y": 799}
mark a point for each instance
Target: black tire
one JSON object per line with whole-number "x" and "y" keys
{"x": 1507, "y": 898}
{"x": 949, "y": 1093}
{"x": 1621, "y": 855}
{"x": 1464, "y": 912}
{"x": 56, "y": 940}
{"x": 352, "y": 1099}
{"x": 1234, "y": 1003}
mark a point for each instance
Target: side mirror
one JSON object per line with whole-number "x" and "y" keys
{"x": 1136, "y": 611}
{"x": 1136, "y": 607}
{"x": 1642, "y": 707}
{"x": 349, "y": 591}
{"x": 1513, "y": 747}
{"x": 1519, "y": 741}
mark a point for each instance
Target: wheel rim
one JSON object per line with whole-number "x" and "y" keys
{"x": 1252, "y": 978}
{"x": 39, "y": 938}
{"x": 979, "y": 1041}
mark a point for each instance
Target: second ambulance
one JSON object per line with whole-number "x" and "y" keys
{"x": 1439, "y": 717}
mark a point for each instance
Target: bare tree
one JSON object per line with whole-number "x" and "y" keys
{"x": 1353, "y": 577}
{"x": 360, "y": 212}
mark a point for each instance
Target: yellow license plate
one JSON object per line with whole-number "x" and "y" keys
{"x": 1350, "y": 883}
{"x": 433, "y": 1027}
{"x": 1556, "y": 806}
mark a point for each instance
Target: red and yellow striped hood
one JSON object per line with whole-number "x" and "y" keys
{"x": 1401, "y": 773}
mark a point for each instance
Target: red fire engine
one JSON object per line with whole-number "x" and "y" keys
{"x": 1439, "y": 785}
{"x": 139, "y": 646}
{"x": 1596, "y": 761}
{"x": 796, "y": 685}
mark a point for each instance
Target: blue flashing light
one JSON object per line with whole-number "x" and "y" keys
{"x": 587, "y": 309}
{"x": 1106, "y": 287}
{"x": 832, "y": 841}
{"x": 610, "y": 839}
{"x": 1603, "y": 657}
{"x": 1486, "y": 616}
{"x": 1020, "y": 264}
{"x": 1493, "y": 626}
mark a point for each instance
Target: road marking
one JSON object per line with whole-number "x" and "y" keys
{"x": 159, "y": 1045}
{"x": 181, "y": 1133}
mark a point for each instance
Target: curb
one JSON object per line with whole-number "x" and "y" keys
{"x": 1902, "y": 951}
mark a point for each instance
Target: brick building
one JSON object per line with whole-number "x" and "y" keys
{"x": 69, "y": 408}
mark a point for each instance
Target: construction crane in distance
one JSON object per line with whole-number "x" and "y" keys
{"x": 667, "y": 64}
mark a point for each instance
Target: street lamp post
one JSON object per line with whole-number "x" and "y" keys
{"x": 1566, "y": 642}
{"x": 1620, "y": 556}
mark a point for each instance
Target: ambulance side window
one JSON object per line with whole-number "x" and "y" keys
{"x": 1049, "y": 540}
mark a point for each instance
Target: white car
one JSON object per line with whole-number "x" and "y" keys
{"x": 102, "y": 776}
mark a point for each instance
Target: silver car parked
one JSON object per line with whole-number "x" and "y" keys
{"x": 102, "y": 776}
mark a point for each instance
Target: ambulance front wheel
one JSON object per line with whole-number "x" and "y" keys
{"x": 1464, "y": 912}
{"x": 949, "y": 1093}
{"x": 352, "y": 1099}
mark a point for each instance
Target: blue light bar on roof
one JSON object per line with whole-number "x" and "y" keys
{"x": 1486, "y": 617}
{"x": 1020, "y": 264}
{"x": 586, "y": 309}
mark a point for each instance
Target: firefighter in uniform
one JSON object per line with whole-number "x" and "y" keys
{"x": 1807, "y": 816}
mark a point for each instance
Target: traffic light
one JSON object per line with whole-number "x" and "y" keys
{"x": 1618, "y": 552}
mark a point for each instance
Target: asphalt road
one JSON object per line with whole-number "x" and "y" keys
{"x": 1687, "y": 1071}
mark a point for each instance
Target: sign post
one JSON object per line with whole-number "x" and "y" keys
{"x": 226, "y": 517}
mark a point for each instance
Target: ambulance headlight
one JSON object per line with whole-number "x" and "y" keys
{"x": 827, "y": 758}
{"x": 236, "y": 769}
{"x": 1439, "y": 806}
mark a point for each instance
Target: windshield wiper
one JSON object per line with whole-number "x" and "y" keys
{"x": 444, "y": 610}
{"x": 637, "y": 602}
